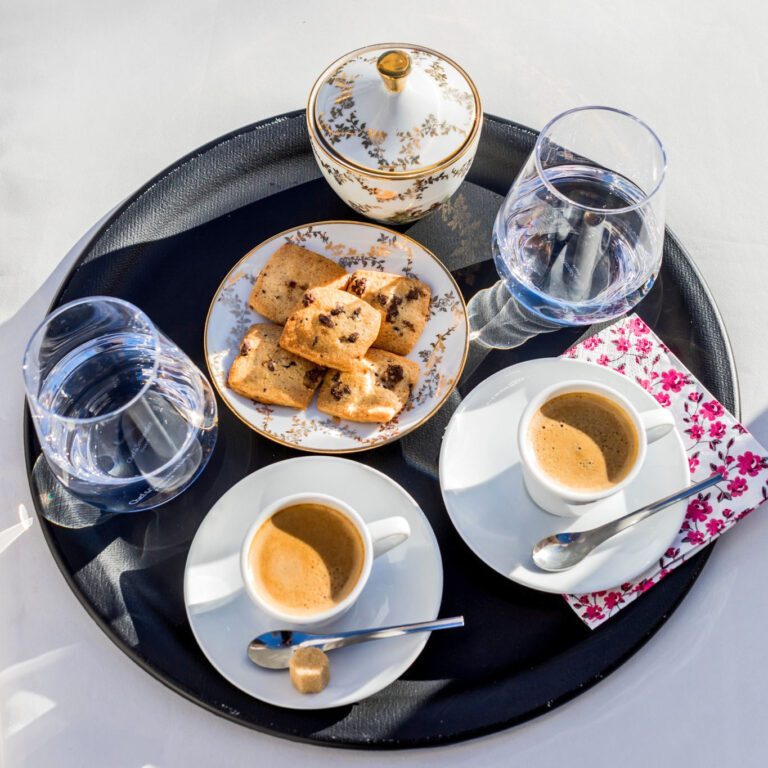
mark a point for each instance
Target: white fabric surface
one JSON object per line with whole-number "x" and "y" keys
{"x": 97, "y": 96}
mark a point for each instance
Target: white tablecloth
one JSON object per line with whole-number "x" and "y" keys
{"x": 97, "y": 96}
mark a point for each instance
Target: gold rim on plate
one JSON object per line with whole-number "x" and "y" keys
{"x": 337, "y": 451}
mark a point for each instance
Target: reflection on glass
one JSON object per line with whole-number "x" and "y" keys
{"x": 125, "y": 419}
{"x": 579, "y": 237}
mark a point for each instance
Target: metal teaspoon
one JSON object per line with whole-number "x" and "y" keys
{"x": 564, "y": 550}
{"x": 273, "y": 649}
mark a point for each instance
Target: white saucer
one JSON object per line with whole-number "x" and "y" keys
{"x": 484, "y": 494}
{"x": 406, "y": 584}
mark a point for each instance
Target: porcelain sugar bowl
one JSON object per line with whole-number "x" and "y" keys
{"x": 394, "y": 129}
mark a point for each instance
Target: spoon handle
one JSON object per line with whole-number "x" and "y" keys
{"x": 340, "y": 639}
{"x": 607, "y": 530}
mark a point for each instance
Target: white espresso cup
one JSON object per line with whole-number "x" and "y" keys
{"x": 559, "y": 499}
{"x": 377, "y": 537}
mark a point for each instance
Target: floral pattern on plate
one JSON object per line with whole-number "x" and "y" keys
{"x": 714, "y": 440}
{"x": 441, "y": 350}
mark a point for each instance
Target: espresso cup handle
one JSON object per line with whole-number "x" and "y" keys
{"x": 657, "y": 423}
{"x": 388, "y": 533}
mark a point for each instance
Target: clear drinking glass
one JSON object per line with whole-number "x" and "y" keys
{"x": 125, "y": 419}
{"x": 579, "y": 237}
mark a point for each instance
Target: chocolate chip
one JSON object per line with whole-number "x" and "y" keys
{"x": 339, "y": 390}
{"x": 352, "y": 338}
{"x": 325, "y": 320}
{"x": 413, "y": 294}
{"x": 314, "y": 341}
{"x": 392, "y": 314}
{"x": 243, "y": 349}
{"x": 409, "y": 325}
{"x": 337, "y": 310}
{"x": 308, "y": 299}
{"x": 392, "y": 375}
{"x": 291, "y": 283}
{"x": 382, "y": 299}
{"x": 336, "y": 376}
{"x": 355, "y": 314}
{"x": 270, "y": 365}
{"x": 304, "y": 287}
{"x": 357, "y": 286}
{"x": 290, "y": 364}
{"x": 312, "y": 376}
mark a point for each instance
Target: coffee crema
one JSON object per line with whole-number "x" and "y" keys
{"x": 307, "y": 558}
{"x": 584, "y": 441}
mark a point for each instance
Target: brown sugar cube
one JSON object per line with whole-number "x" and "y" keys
{"x": 310, "y": 671}
{"x": 375, "y": 391}
{"x": 331, "y": 328}
{"x": 290, "y": 272}
{"x": 266, "y": 373}
{"x": 402, "y": 302}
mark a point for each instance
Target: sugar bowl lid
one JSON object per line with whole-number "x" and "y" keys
{"x": 394, "y": 110}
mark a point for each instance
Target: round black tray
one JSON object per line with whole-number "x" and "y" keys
{"x": 522, "y": 652}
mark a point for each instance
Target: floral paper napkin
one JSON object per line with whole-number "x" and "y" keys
{"x": 715, "y": 442}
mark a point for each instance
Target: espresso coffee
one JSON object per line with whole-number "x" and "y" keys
{"x": 584, "y": 441}
{"x": 306, "y": 558}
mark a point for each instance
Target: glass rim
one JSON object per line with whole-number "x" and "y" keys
{"x": 596, "y": 107}
{"x": 33, "y": 397}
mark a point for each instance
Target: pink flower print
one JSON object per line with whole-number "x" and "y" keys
{"x": 612, "y": 599}
{"x": 591, "y": 343}
{"x": 663, "y": 399}
{"x": 673, "y": 380}
{"x": 729, "y": 460}
{"x": 695, "y": 537}
{"x": 698, "y": 510}
{"x": 654, "y": 375}
{"x": 749, "y": 464}
{"x": 593, "y": 612}
{"x": 644, "y": 383}
{"x": 622, "y": 344}
{"x": 722, "y": 469}
{"x": 643, "y": 346}
{"x": 672, "y": 553}
{"x": 570, "y": 352}
{"x": 737, "y": 486}
{"x": 694, "y": 397}
{"x": 714, "y": 526}
{"x": 637, "y": 326}
{"x": 727, "y": 514}
{"x": 644, "y": 585}
{"x": 717, "y": 430}
{"x": 712, "y": 410}
{"x": 693, "y": 462}
{"x": 603, "y": 360}
{"x": 696, "y": 432}
{"x": 740, "y": 429}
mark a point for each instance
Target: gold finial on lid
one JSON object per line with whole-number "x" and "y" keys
{"x": 394, "y": 67}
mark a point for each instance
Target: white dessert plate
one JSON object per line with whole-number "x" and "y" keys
{"x": 440, "y": 351}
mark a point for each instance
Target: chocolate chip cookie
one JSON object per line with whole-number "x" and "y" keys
{"x": 402, "y": 302}
{"x": 332, "y": 328}
{"x": 266, "y": 373}
{"x": 290, "y": 272}
{"x": 376, "y": 390}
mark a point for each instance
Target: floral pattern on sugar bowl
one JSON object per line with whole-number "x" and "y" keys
{"x": 394, "y": 130}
